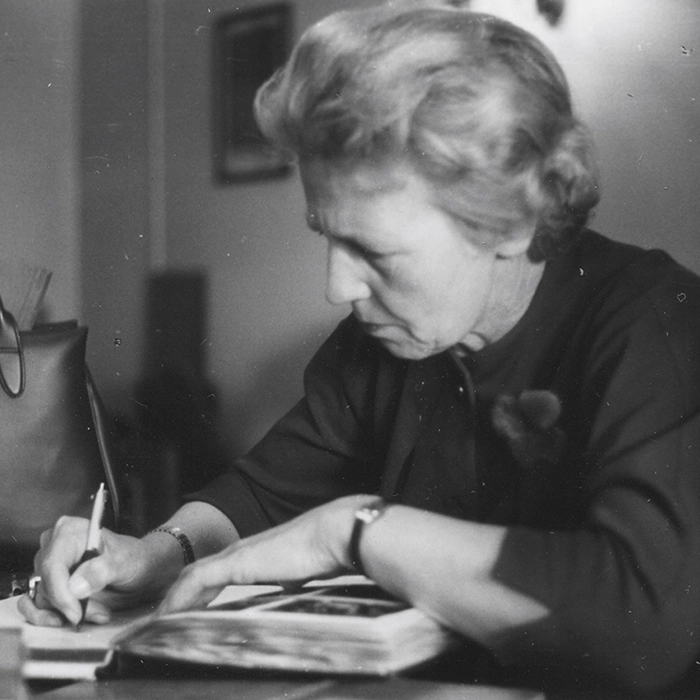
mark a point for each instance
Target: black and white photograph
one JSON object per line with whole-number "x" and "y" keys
{"x": 350, "y": 349}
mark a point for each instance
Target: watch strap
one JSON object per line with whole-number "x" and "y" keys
{"x": 364, "y": 517}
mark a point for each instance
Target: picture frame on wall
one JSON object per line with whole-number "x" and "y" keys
{"x": 248, "y": 46}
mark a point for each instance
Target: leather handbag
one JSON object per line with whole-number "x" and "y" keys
{"x": 54, "y": 442}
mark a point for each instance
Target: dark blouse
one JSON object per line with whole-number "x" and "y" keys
{"x": 579, "y": 430}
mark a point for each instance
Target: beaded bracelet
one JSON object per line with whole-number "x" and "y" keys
{"x": 183, "y": 541}
{"x": 364, "y": 516}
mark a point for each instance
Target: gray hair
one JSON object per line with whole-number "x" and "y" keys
{"x": 473, "y": 102}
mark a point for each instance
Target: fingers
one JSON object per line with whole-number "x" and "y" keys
{"x": 253, "y": 560}
{"x": 38, "y": 609}
{"x": 58, "y": 597}
{"x": 89, "y": 578}
{"x": 96, "y": 613}
{"x": 198, "y": 584}
{"x": 295, "y": 551}
{"x": 37, "y": 616}
{"x": 61, "y": 547}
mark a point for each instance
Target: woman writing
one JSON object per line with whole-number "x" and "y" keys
{"x": 512, "y": 408}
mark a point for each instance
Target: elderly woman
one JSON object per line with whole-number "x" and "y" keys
{"x": 508, "y": 420}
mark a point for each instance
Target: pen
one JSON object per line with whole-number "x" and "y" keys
{"x": 92, "y": 546}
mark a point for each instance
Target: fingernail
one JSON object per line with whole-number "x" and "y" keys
{"x": 100, "y": 618}
{"x": 80, "y": 588}
{"x": 73, "y": 617}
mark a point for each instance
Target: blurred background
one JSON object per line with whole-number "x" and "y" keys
{"x": 205, "y": 295}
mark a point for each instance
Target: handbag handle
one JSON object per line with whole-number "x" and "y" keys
{"x": 11, "y": 355}
{"x": 100, "y": 420}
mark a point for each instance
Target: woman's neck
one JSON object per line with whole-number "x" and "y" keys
{"x": 513, "y": 285}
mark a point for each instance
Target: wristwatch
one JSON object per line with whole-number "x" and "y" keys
{"x": 364, "y": 517}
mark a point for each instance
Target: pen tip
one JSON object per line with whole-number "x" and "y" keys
{"x": 83, "y": 609}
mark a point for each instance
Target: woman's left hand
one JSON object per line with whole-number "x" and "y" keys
{"x": 313, "y": 545}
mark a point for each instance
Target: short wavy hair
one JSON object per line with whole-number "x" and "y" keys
{"x": 474, "y": 102}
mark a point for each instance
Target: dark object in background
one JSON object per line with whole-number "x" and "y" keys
{"x": 176, "y": 322}
{"x": 552, "y": 10}
{"x": 55, "y": 445}
{"x": 248, "y": 46}
{"x": 175, "y": 442}
{"x": 12, "y": 583}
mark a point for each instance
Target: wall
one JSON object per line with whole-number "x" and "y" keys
{"x": 73, "y": 165}
{"x": 113, "y": 156}
{"x": 639, "y": 84}
{"x": 266, "y": 270}
{"x": 38, "y": 143}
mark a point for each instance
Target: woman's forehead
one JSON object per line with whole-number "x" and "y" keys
{"x": 348, "y": 195}
{"x": 329, "y": 179}
{"x": 361, "y": 198}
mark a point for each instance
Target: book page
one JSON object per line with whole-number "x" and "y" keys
{"x": 64, "y": 653}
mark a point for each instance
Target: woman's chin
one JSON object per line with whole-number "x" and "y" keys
{"x": 407, "y": 349}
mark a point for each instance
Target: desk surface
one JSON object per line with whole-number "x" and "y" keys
{"x": 258, "y": 689}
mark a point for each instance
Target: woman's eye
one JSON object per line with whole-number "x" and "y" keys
{"x": 355, "y": 248}
{"x": 364, "y": 252}
{"x": 367, "y": 253}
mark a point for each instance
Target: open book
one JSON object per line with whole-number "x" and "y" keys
{"x": 344, "y": 628}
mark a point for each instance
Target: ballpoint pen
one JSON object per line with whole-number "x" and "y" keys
{"x": 92, "y": 546}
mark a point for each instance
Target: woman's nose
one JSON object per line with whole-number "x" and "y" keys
{"x": 344, "y": 276}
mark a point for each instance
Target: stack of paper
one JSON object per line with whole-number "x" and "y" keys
{"x": 22, "y": 289}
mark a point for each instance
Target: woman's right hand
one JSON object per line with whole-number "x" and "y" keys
{"x": 121, "y": 576}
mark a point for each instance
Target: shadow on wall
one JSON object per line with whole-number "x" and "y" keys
{"x": 169, "y": 448}
{"x": 275, "y": 384}
{"x": 180, "y": 438}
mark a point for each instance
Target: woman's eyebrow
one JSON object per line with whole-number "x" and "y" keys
{"x": 315, "y": 225}
{"x": 350, "y": 238}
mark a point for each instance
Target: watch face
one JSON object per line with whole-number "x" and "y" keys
{"x": 367, "y": 515}
{"x": 371, "y": 511}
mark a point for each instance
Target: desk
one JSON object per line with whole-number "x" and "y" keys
{"x": 302, "y": 688}
{"x": 391, "y": 689}
{"x": 258, "y": 689}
